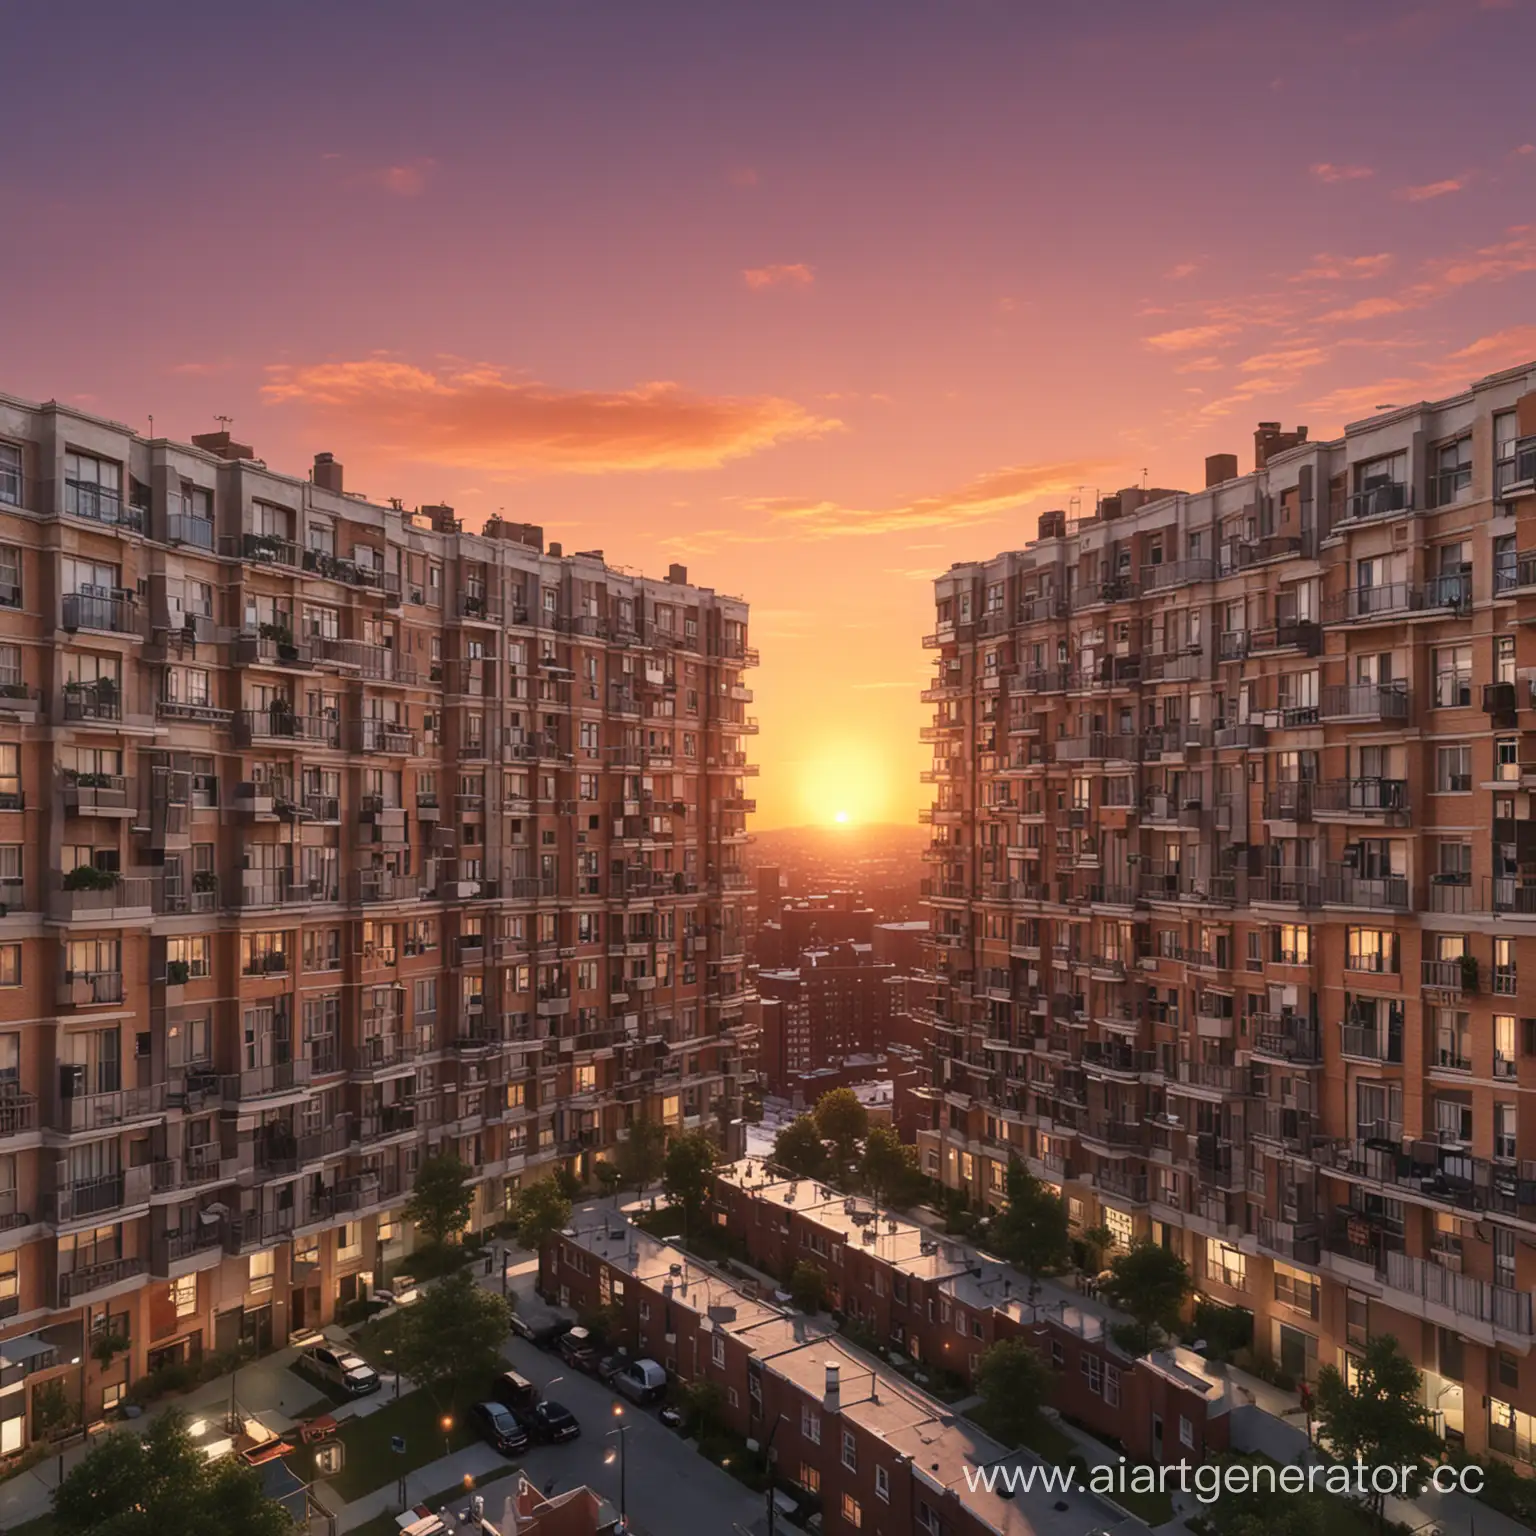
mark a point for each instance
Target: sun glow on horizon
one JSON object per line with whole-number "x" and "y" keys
{"x": 841, "y": 818}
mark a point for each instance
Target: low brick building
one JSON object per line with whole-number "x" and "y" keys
{"x": 880, "y": 1454}
{"x": 945, "y": 1304}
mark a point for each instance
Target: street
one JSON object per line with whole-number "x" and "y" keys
{"x": 671, "y": 1488}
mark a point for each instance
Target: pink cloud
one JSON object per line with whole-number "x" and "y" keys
{"x": 408, "y": 179}
{"x": 1328, "y": 268}
{"x": 1189, "y": 338}
{"x": 1430, "y": 190}
{"x": 781, "y": 275}
{"x": 1326, "y": 171}
{"x": 474, "y": 416}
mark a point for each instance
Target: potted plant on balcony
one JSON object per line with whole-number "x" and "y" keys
{"x": 87, "y": 877}
{"x": 205, "y": 880}
{"x": 177, "y": 973}
{"x": 1469, "y": 976}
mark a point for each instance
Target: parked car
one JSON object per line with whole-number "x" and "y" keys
{"x": 671, "y": 1418}
{"x": 641, "y": 1381}
{"x": 578, "y": 1348}
{"x": 515, "y": 1392}
{"x": 498, "y": 1426}
{"x": 609, "y": 1367}
{"x": 342, "y": 1369}
{"x": 550, "y": 1422}
{"x": 544, "y": 1335}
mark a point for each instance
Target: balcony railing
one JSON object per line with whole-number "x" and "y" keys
{"x": 1379, "y": 501}
{"x": 262, "y": 1082}
{"x": 1397, "y": 599}
{"x": 1361, "y": 797}
{"x": 75, "y": 1283}
{"x": 117, "y": 613}
{"x": 1346, "y": 887}
{"x": 1366, "y": 701}
{"x": 281, "y": 724}
{"x": 1509, "y": 1311}
{"x": 101, "y": 504}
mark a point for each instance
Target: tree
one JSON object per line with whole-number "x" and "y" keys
{"x": 1151, "y": 1283}
{"x": 1379, "y": 1417}
{"x": 688, "y": 1174}
{"x": 158, "y": 1482}
{"x": 53, "y": 1410}
{"x": 842, "y": 1120}
{"x": 807, "y": 1286}
{"x": 799, "y": 1149}
{"x": 891, "y": 1169}
{"x": 608, "y": 1176}
{"x": 542, "y": 1211}
{"x": 704, "y": 1402}
{"x": 643, "y": 1153}
{"x": 1259, "y": 1513}
{"x": 1032, "y": 1233}
{"x": 441, "y": 1198}
{"x": 1014, "y": 1383}
{"x": 452, "y": 1336}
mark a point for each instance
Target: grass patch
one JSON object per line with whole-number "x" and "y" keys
{"x": 370, "y": 1463}
{"x": 1152, "y": 1508}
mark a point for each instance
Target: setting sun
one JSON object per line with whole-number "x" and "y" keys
{"x": 841, "y": 818}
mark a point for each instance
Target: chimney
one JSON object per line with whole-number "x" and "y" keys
{"x": 831, "y": 1401}
{"x": 328, "y": 473}
{"x": 556, "y": 551}
{"x": 677, "y": 575}
{"x": 1268, "y": 440}
{"x": 1052, "y": 525}
{"x": 1220, "y": 467}
{"x": 222, "y": 446}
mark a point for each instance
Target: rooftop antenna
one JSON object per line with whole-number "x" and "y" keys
{"x": 1143, "y": 477}
{"x": 225, "y": 422}
{"x": 151, "y": 423}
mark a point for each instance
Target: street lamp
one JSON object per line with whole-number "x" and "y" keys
{"x": 773, "y": 1508}
{"x": 447, "y": 1431}
{"x": 623, "y": 1433}
{"x": 389, "y": 1355}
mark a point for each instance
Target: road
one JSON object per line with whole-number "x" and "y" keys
{"x": 670, "y": 1487}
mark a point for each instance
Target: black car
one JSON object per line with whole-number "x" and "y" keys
{"x": 550, "y": 1423}
{"x": 498, "y": 1426}
{"x": 541, "y": 1335}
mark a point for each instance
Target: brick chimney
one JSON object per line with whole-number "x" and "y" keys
{"x": 1220, "y": 467}
{"x": 1052, "y": 525}
{"x": 328, "y": 473}
{"x": 831, "y": 1401}
{"x": 677, "y": 575}
{"x": 1268, "y": 440}
{"x": 222, "y": 446}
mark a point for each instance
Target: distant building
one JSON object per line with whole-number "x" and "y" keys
{"x": 835, "y": 1004}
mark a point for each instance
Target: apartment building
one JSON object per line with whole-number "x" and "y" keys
{"x": 331, "y": 835}
{"x": 877, "y": 1452}
{"x": 1233, "y": 886}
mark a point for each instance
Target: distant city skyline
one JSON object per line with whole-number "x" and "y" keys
{"x": 813, "y": 301}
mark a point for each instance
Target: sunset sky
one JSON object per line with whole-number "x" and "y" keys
{"x": 816, "y": 298}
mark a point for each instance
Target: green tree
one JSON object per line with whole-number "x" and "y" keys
{"x": 891, "y": 1169}
{"x": 807, "y": 1287}
{"x": 1379, "y": 1418}
{"x": 1014, "y": 1383}
{"x": 158, "y": 1482}
{"x": 1252, "y": 1513}
{"x": 542, "y": 1211}
{"x": 799, "y": 1149}
{"x": 1151, "y": 1283}
{"x": 688, "y": 1175}
{"x": 608, "y": 1176}
{"x": 1032, "y": 1232}
{"x": 704, "y": 1404}
{"x": 451, "y": 1337}
{"x": 642, "y": 1154}
{"x": 53, "y": 1410}
{"x": 842, "y": 1120}
{"x": 441, "y": 1198}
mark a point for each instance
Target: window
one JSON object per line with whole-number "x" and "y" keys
{"x": 853, "y": 1514}
{"x": 261, "y": 1271}
{"x": 10, "y": 474}
{"x": 717, "y": 1347}
{"x": 1092, "y": 1367}
{"x": 10, "y": 569}
{"x": 10, "y": 965}
{"x": 1453, "y": 471}
{"x": 1120, "y": 1225}
{"x": 1453, "y": 770}
{"x": 184, "y": 1294}
{"x": 1186, "y": 1431}
{"x": 1226, "y": 1264}
{"x": 810, "y": 1477}
{"x": 883, "y": 1483}
{"x": 1452, "y": 665}
{"x": 810, "y": 1424}
{"x": 1111, "y": 1385}
{"x": 850, "y": 1451}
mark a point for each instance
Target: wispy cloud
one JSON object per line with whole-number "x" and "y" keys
{"x": 1177, "y": 274}
{"x": 407, "y": 179}
{"x": 742, "y": 176}
{"x": 1292, "y": 359}
{"x": 987, "y": 496}
{"x": 1190, "y": 337}
{"x": 476, "y": 416}
{"x": 794, "y": 274}
{"x": 1326, "y": 268}
{"x": 1428, "y": 191}
{"x": 1326, "y": 171}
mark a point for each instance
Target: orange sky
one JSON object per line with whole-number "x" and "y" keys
{"x": 814, "y": 299}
